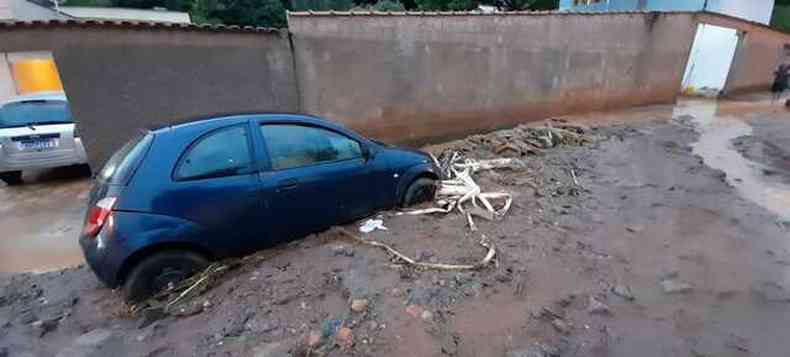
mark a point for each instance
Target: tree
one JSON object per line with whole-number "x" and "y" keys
{"x": 447, "y": 5}
{"x": 266, "y": 13}
{"x": 388, "y": 5}
{"x": 321, "y": 5}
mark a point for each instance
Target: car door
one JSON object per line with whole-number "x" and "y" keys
{"x": 217, "y": 186}
{"x": 314, "y": 178}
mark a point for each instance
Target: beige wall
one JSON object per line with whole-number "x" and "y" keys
{"x": 412, "y": 79}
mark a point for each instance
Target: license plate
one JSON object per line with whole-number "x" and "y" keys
{"x": 38, "y": 145}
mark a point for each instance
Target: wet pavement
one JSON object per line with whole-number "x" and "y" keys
{"x": 41, "y": 219}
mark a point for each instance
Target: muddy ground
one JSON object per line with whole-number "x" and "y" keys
{"x": 654, "y": 253}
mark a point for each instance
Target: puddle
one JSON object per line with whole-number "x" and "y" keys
{"x": 717, "y": 131}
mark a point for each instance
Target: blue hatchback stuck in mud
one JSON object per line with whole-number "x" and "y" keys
{"x": 172, "y": 199}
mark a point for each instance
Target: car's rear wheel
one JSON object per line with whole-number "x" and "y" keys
{"x": 12, "y": 177}
{"x": 421, "y": 190}
{"x": 158, "y": 271}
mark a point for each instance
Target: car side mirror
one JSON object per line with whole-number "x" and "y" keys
{"x": 367, "y": 154}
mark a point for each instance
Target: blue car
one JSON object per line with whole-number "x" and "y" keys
{"x": 173, "y": 199}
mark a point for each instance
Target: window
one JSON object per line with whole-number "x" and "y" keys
{"x": 222, "y": 153}
{"x": 292, "y": 146}
{"x": 35, "y": 112}
{"x": 121, "y": 164}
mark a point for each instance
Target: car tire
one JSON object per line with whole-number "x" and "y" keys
{"x": 11, "y": 178}
{"x": 156, "y": 272}
{"x": 421, "y": 190}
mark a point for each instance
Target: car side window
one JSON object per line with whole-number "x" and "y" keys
{"x": 291, "y": 146}
{"x": 225, "y": 152}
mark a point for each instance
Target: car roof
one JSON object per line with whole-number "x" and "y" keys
{"x": 58, "y": 96}
{"x": 233, "y": 118}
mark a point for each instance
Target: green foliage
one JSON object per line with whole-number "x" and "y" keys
{"x": 546, "y": 5}
{"x": 266, "y": 13}
{"x": 87, "y": 3}
{"x": 322, "y": 5}
{"x": 447, "y": 5}
{"x": 781, "y": 18}
{"x": 388, "y": 5}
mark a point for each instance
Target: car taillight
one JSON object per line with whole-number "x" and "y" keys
{"x": 98, "y": 216}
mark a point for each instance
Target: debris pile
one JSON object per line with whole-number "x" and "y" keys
{"x": 525, "y": 140}
{"x": 459, "y": 188}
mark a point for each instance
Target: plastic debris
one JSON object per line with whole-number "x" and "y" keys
{"x": 372, "y": 225}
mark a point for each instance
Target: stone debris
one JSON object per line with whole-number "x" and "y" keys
{"x": 414, "y": 311}
{"x": 342, "y": 250}
{"x": 623, "y": 291}
{"x": 673, "y": 286}
{"x": 344, "y": 338}
{"x": 561, "y": 326}
{"x": 427, "y": 316}
{"x": 597, "y": 307}
{"x": 359, "y": 305}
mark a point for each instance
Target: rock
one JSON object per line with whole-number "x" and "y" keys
{"x": 343, "y": 250}
{"x": 635, "y": 228}
{"x": 97, "y": 343}
{"x": 414, "y": 311}
{"x": 537, "y": 350}
{"x": 188, "y": 310}
{"x": 598, "y": 307}
{"x": 274, "y": 349}
{"x": 359, "y": 305}
{"x": 623, "y": 291}
{"x": 151, "y": 315}
{"x": 673, "y": 286}
{"x": 561, "y": 326}
{"x": 769, "y": 291}
{"x": 42, "y": 327}
{"x": 313, "y": 339}
{"x": 427, "y": 316}
{"x": 345, "y": 337}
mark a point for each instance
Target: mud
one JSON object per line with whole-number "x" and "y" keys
{"x": 654, "y": 253}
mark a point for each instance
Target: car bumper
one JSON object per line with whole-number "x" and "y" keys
{"x": 97, "y": 255}
{"x": 45, "y": 159}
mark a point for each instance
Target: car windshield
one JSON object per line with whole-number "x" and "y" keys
{"x": 35, "y": 112}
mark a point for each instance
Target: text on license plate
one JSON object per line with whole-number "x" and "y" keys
{"x": 44, "y": 144}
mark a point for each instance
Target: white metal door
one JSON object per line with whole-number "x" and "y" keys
{"x": 710, "y": 60}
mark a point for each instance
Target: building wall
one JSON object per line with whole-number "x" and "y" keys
{"x": 23, "y": 10}
{"x": 118, "y": 13}
{"x": 120, "y": 80}
{"x": 412, "y": 79}
{"x": 636, "y": 5}
{"x": 5, "y": 10}
{"x": 752, "y": 10}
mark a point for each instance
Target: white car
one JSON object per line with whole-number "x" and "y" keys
{"x": 37, "y": 131}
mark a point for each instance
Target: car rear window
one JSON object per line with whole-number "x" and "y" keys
{"x": 35, "y": 112}
{"x": 121, "y": 165}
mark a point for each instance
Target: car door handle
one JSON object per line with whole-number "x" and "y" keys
{"x": 287, "y": 184}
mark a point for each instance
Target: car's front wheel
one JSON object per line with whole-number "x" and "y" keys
{"x": 421, "y": 190}
{"x": 158, "y": 271}
{"x": 11, "y": 178}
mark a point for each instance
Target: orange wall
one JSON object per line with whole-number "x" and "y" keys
{"x": 36, "y": 75}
